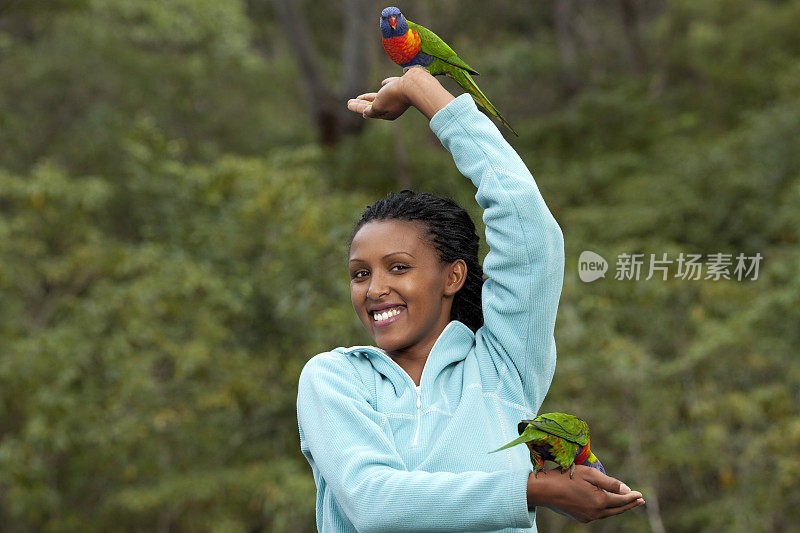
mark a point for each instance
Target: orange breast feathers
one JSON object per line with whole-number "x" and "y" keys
{"x": 403, "y": 48}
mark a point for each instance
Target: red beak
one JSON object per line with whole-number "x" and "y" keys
{"x": 393, "y": 22}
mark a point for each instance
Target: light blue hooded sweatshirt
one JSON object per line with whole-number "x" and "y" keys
{"x": 389, "y": 456}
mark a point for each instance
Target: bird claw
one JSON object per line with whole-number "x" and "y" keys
{"x": 571, "y": 470}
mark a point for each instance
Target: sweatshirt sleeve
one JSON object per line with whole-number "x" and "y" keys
{"x": 345, "y": 439}
{"x": 525, "y": 263}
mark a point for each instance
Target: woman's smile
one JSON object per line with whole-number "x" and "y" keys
{"x": 384, "y": 318}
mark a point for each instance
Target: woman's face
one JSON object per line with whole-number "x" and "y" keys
{"x": 400, "y": 289}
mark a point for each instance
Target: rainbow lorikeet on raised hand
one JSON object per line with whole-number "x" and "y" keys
{"x": 557, "y": 437}
{"x": 409, "y": 45}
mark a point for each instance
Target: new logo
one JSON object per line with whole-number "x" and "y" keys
{"x": 591, "y": 266}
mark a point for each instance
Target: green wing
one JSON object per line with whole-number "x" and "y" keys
{"x": 563, "y": 450}
{"x": 433, "y": 45}
{"x": 563, "y": 425}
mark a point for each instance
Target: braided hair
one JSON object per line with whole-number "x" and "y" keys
{"x": 452, "y": 233}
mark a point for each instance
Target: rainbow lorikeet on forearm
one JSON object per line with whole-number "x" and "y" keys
{"x": 409, "y": 45}
{"x": 557, "y": 437}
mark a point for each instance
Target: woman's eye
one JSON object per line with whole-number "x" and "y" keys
{"x": 399, "y": 267}
{"x": 359, "y": 274}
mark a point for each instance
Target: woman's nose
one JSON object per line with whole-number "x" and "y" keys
{"x": 377, "y": 288}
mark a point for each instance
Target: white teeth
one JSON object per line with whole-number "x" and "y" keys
{"x": 386, "y": 314}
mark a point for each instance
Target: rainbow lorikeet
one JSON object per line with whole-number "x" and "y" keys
{"x": 557, "y": 437}
{"x": 409, "y": 45}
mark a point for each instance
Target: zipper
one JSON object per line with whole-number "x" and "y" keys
{"x": 419, "y": 405}
{"x": 418, "y": 388}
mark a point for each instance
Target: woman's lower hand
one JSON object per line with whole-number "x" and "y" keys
{"x": 589, "y": 495}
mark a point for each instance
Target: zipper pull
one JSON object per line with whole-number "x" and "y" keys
{"x": 419, "y": 404}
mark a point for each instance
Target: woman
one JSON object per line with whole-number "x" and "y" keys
{"x": 398, "y": 435}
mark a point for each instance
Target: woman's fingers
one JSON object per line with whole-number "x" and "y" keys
{"x": 389, "y": 102}
{"x": 622, "y": 500}
{"x": 611, "y": 485}
{"x": 605, "y": 482}
{"x": 619, "y": 510}
{"x": 617, "y": 494}
{"x": 358, "y": 105}
{"x": 362, "y": 104}
{"x": 369, "y": 111}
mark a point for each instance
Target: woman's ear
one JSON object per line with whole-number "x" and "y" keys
{"x": 456, "y": 276}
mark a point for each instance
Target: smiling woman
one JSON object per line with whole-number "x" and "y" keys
{"x": 398, "y": 435}
{"x": 407, "y": 269}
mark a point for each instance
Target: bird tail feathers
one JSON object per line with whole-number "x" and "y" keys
{"x": 514, "y": 442}
{"x": 465, "y": 80}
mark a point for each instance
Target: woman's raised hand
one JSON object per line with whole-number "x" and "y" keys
{"x": 415, "y": 88}
{"x": 388, "y": 103}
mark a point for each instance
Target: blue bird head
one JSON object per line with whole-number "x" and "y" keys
{"x": 392, "y": 23}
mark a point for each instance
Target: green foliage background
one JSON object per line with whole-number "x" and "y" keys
{"x": 173, "y": 243}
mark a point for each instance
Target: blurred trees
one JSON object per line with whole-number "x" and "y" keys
{"x": 173, "y": 243}
{"x": 332, "y": 120}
